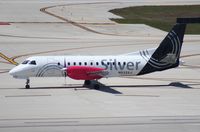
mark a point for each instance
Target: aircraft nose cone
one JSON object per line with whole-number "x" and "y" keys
{"x": 15, "y": 71}
{"x": 12, "y": 72}
{"x": 18, "y": 72}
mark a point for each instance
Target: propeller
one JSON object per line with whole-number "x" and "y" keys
{"x": 65, "y": 72}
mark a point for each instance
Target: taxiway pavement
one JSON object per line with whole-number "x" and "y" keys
{"x": 163, "y": 101}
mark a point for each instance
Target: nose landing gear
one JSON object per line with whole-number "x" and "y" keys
{"x": 27, "y": 84}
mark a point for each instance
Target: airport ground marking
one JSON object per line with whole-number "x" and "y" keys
{"x": 6, "y": 62}
{"x": 190, "y": 55}
{"x": 12, "y": 61}
{"x": 69, "y": 49}
{"x": 44, "y": 10}
{"x": 188, "y": 80}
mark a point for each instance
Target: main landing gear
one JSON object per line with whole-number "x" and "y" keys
{"x": 27, "y": 84}
{"x": 89, "y": 82}
{"x": 96, "y": 86}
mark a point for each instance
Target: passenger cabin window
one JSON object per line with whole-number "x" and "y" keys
{"x": 86, "y": 63}
{"x": 68, "y": 63}
{"x": 33, "y": 62}
{"x": 80, "y": 63}
{"x": 25, "y": 62}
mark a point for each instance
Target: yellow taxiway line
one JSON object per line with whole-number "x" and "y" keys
{"x": 8, "y": 59}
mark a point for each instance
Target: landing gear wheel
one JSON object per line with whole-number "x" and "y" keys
{"x": 96, "y": 86}
{"x": 87, "y": 82}
{"x": 27, "y": 84}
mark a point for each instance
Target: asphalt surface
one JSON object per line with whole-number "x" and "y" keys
{"x": 162, "y": 101}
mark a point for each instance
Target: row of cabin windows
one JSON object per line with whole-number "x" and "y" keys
{"x": 91, "y": 63}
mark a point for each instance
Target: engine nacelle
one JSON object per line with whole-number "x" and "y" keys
{"x": 83, "y": 72}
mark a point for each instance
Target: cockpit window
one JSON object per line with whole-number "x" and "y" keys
{"x": 33, "y": 62}
{"x": 25, "y": 62}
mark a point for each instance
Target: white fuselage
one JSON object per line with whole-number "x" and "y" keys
{"x": 51, "y": 66}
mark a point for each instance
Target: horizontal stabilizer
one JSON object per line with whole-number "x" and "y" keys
{"x": 170, "y": 58}
{"x": 188, "y": 20}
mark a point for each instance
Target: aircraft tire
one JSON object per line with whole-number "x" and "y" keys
{"x": 27, "y": 86}
{"x": 87, "y": 82}
{"x": 96, "y": 86}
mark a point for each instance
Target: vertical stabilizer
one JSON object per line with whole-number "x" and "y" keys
{"x": 167, "y": 55}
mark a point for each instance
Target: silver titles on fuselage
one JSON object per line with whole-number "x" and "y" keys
{"x": 116, "y": 65}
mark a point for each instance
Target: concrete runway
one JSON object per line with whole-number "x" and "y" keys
{"x": 162, "y": 101}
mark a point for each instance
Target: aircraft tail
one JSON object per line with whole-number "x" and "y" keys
{"x": 167, "y": 55}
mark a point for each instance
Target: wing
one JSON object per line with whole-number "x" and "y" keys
{"x": 102, "y": 73}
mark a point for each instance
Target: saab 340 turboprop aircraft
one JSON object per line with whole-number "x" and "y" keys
{"x": 89, "y": 68}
